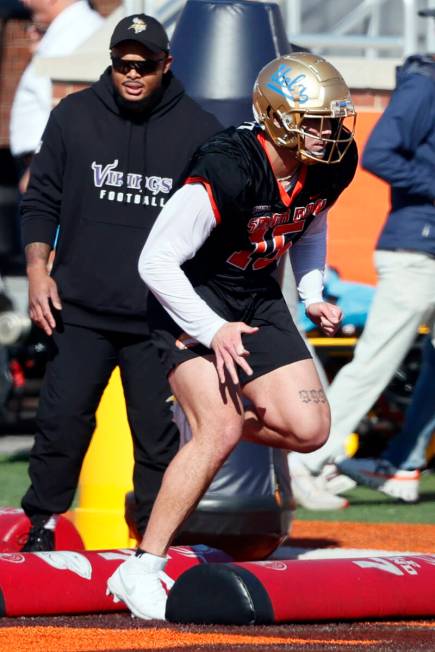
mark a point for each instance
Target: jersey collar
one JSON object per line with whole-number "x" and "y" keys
{"x": 286, "y": 198}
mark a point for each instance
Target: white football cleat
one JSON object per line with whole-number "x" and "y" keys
{"x": 137, "y": 583}
{"x": 383, "y": 476}
{"x": 306, "y": 490}
{"x": 333, "y": 481}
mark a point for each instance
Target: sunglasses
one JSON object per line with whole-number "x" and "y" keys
{"x": 141, "y": 67}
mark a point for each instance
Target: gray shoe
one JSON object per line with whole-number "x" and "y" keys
{"x": 383, "y": 476}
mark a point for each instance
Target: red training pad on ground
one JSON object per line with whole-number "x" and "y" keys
{"x": 305, "y": 590}
{"x": 62, "y": 582}
{"x": 15, "y": 526}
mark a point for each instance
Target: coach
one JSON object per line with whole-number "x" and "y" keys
{"x": 109, "y": 159}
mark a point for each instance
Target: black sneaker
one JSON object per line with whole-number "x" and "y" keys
{"x": 39, "y": 539}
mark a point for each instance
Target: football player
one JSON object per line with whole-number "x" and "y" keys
{"x": 221, "y": 324}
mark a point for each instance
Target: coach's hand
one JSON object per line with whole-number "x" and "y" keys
{"x": 326, "y": 315}
{"x": 42, "y": 295}
{"x": 229, "y": 350}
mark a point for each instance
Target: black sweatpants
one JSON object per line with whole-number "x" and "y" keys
{"x": 77, "y": 373}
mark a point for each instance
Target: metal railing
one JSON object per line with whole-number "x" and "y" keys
{"x": 368, "y": 28}
{"x": 166, "y": 11}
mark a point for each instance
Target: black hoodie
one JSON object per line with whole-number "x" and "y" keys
{"x": 102, "y": 175}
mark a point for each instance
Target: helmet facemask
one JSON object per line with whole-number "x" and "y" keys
{"x": 336, "y": 143}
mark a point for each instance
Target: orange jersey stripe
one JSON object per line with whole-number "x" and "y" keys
{"x": 285, "y": 197}
{"x": 207, "y": 186}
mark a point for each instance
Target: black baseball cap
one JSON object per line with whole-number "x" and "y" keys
{"x": 427, "y": 12}
{"x": 142, "y": 29}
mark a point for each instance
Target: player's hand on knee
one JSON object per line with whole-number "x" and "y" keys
{"x": 325, "y": 315}
{"x": 229, "y": 350}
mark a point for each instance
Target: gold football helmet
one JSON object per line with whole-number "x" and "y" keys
{"x": 296, "y": 88}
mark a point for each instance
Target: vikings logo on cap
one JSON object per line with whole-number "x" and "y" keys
{"x": 138, "y": 25}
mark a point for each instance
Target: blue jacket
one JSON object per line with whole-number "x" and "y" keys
{"x": 401, "y": 150}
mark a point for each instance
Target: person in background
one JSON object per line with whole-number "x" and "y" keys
{"x": 397, "y": 471}
{"x": 58, "y": 28}
{"x": 307, "y": 492}
{"x": 110, "y": 158}
{"x": 401, "y": 151}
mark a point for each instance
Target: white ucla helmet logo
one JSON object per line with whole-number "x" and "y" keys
{"x": 138, "y": 25}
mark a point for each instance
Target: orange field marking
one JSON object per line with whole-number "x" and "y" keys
{"x": 410, "y": 537}
{"x": 67, "y": 639}
{"x": 410, "y": 623}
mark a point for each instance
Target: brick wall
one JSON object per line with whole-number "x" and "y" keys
{"x": 370, "y": 100}
{"x": 363, "y": 100}
{"x": 62, "y": 89}
{"x": 14, "y": 57}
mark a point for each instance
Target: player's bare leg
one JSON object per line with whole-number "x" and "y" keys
{"x": 215, "y": 415}
{"x": 291, "y": 412}
{"x": 290, "y": 409}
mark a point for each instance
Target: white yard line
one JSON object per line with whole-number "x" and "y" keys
{"x": 290, "y": 552}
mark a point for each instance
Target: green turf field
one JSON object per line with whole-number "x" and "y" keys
{"x": 368, "y": 506}
{"x": 13, "y": 479}
{"x": 365, "y": 505}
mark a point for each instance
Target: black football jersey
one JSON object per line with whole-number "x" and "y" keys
{"x": 257, "y": 220}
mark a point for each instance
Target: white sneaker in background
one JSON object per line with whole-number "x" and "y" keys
{"x": 137, "y": 583}
{"x": 180, "y": 420}
{"x": 306, "y": 490}
{"x": 383, "y": 476}
{"x": 331, "y": 480}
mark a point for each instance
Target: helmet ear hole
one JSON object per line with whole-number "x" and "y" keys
{"x": 271, "y": 114}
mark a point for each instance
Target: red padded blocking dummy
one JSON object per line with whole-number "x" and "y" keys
{"x": 305, "y": 590}
{"x": 66, "y": 582}
{"x": 15, "y": 526}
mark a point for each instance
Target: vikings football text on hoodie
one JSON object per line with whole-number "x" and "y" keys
{"x": 99, "y": 180}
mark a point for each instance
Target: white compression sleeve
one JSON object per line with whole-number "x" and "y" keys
{"x": 181, "y": 228}
{"x": 308, "y": 258}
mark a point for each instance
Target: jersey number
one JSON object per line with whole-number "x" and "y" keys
{"x": 265, "y": 250}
